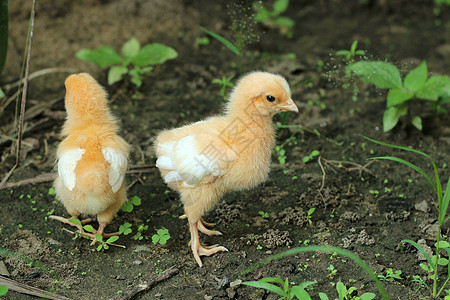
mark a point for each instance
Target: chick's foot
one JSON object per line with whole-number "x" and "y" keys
{"x": 197, "y": 248}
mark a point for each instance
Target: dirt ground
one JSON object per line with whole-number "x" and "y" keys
{"x": 365, "y": 208}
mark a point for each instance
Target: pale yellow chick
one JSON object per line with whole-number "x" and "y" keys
{"x": 230, "y": 152}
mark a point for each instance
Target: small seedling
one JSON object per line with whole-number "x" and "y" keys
{"x": 281, "y": 154}
{"x": 134, "y": 201}
{"x": 136, "y": 60}
{"x": 162, "y": 236}
{"x": 125, "y": 229}
{"x": 415, "y": 85}
{"x": 3, "y": 290}
{"x": 391, "y": 275}
{"x": 224, "y": 82}
{"x": 311, "y": 156}
{"x": 347, "y": 294}
{"x": 223, "y": 40}
{"x": 105, "y": 244}
{"x": 272, "y": 18}
{"x": 309, "y": 215}
{"x": 349, "y": 55}
{"x": 141, "y": 229}
{"x": 263, "y": 214}
{"x": 286, "y": 292}
{"x": 332, "y": 270}
{"x": 51, "y": 191}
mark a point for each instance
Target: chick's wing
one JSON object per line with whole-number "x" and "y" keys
{"x": 118, "y": 166}
{"x": 195, "y": 159}
{"x": 66, "y": 166}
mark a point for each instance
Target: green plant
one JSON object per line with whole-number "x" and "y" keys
{"x": 224, "y": 82}
{"x": 125, "y": 229}
{"x": 287, "y": 292}
{"x": 391, "y": 275}
{"x": 415, "y": 85}
{"x": 128, "y": 206}
{"x": 347, "y": 294}
{"x": 136, "y": 60}
{"x": 311, "y": 156}
{"x": 141, "y": 229}
{"x": 272, "y": 18}
{"x": 263, "y": 214}
{"x": 162, "y": 236}
{"x": 105, "y": 244}
{"x": 223, "y": 40}
{"x": 281, "y": 154}
{"x": 443, "y": 201}
{"x": 349, "y": 55}
{"x": 309, "y": 215}
{"x": 3, "y": 290}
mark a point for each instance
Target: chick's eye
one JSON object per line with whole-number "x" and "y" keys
{"x": 270, "y": 98}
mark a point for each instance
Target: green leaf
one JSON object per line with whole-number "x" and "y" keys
{"x": 2, "y": 93}
{"x": 285, "y": 22}
{"x": 382, "y": 74}
{"x": 155, "y": 238}
{"x": 162, "y": 231}
{"x": 154, "y": 54}
{"x": 435, "y": 87}
{"x": 75, "y": 221}
{"x": 273, "y": 279}
{"x": 51, "y": 191}
{"x": 223, "y": 40}
{"x": 323, "y": 296}
{"x": 391, "y": 116}
{"x": 300, "y": 293}
{"x": 102, "y": 57}
{"x": 99, "y": 248}
{"x": 88, "y": 228}
{"x": 315, "y": 153}
{"x": 115, "y": 74}
{"x": 99, "y": 237}
{"x": 112, "y": 239}
{"x": 131, "y": 48}
{"x": 341, "y": 289}
{"x": 136, "y": 200}
{"x": 417, "y": 122}
{"x": 397, "y": 96}
{"x": 306, "y": 284}
{"x": 4, "y": 24}
{"x": 262, "y": 13}
{"x": 445, "y": 202}
{"x": 420, "y": 248}
{"x": 442, "y": 261}
{"x": 163, "y": 239}
{"x": 280, "y": 6}
{"x": 342, "y": 52}
{"x": 415, "y": 79}
{"x": 127, "y": 207}
{"x": 267, "y": 286}
{"x": 353, "y": 46}
{"x": 367, "y": 296}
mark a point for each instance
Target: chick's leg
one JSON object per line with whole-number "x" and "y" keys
{"x": 74, "y": 213}
{"x": 203, "y": 226}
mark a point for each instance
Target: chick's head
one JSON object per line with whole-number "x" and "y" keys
{"x": 261, "y": 93}
{"x": 85, "y": 98}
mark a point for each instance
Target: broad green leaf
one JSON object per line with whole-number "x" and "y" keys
{"x": 163, "y": 239}
{"x": 442, "y": 261}
{"x": 75, "y": 221}
{"x": 262, "y": 13}
{"x": 267, "y": 286}
{"x": 368, "y": 296}
{"x": 280, "y": 6}
{"x": 417, "y": 122}
{"x": 112, "y": 239}
{"x": 323, "y": 296}
{"x": 300, "y": 293}
{"x": 116, "y": 73}
{"x": 306, "y": 284}
{"x": 435, "y": 87}
{"x": 99, "y": 237}
{"x": 162, "y": 231}
{"x": 3, "y": 289}
{"x": 136, "y": 200}
{"x": 102, "y": 57}
{"x": 415, "y": 79}
{"x": 341, "y": 289}
{"x": 397, "y": 96}
{"x": 360, "y": 52}
{"x": 315, "y": 152}
{"x": 131, "y": 48}
{"x": 155, "y": 238}
{"x": 223, "y": 40}
{"x": 353, "y": 46}
{"x": 127, "y": 207}
{"x": 4, "y": 24}
{"x": 391, "y": 116}
{"x": 88, "y": 228}
{"x": 285, "y": 22}
{"x": 51, "y": 190}
{"x": 382, "y": 74}
{"x": 154, "y": 54}
{"x": 342, "y": 52}
{"x": 99, "y": 247}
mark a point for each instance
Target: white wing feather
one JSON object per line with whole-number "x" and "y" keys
{"x": 118, "y": 166}
{"x": 66, "y": 166}
{"x": 186, "y": 162}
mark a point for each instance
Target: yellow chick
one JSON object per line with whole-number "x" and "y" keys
{"x": 231, "y": 152}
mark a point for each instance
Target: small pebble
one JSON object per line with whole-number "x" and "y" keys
{"x": 137, "y": 262}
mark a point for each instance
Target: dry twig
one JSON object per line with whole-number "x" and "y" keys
{"x": 28, "y": 290}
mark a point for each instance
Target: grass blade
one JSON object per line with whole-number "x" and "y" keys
{"x": 339, "y": 251}
{"x": 272, "y": 279}
{"x": 398, "y": 147}
{"x": 412, "y": 166}
{"x": 445, "y": 201}
{"x": 419, "y": 248}
{"x": 266, "y": 286}
{"x": 223, "y": 40}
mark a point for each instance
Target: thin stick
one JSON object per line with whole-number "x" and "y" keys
{"x": 86, "y": 236}
{"x": 149, "y": 283}
{"x": 323, "y": 176}
{"x": 39, "y": 73}
{"x": 24, "y": 96}
{"x": 28, "y": 290}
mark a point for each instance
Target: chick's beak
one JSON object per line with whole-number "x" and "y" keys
{"x": 290, "y": 106}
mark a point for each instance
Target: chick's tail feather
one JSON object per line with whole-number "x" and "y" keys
{"x": 92, "y": 178}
